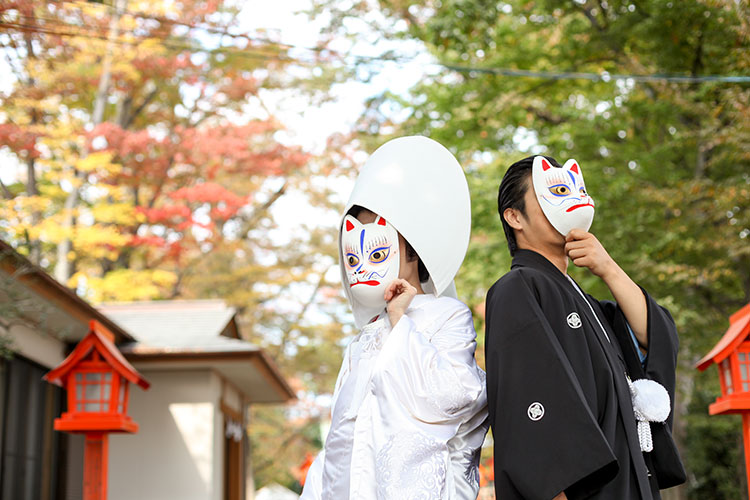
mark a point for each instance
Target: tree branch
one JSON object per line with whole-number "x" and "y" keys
{"x": 698, "y": 58}
{"x": 295, "y": 324}
{"x": 544, "y": 116}
{"x": 13, "y": 67}
{"x": 6, "y": 192}
{"x": 137, "y": 111}
{"x": 252, "y": 219}
{"x": 590, "y": 16}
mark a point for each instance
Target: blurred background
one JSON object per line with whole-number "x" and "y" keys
{"x": 203, "y": 149}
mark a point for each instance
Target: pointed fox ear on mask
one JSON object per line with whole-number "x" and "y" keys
{"x": 562, "y": 195}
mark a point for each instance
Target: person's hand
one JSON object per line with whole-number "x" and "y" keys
{"x": 398, "y": 295}
{"x": 561, "y": 496}
{"x": 585, "y": 250}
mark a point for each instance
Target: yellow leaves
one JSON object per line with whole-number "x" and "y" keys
{"x": 91, "y": 9}
{"x": 92, "y": 161}
{"x": 155, "y": 7}
{"x": 49, "y": 104}
{"x": 50, "y": 230}
{"x": 17, "y": 215}
{"x": 64, "y": 132}
{"x": 99, "y": 241}
{"x": 152, "y": 46}
{"x": 25, "y": 204}
{"x": 122, "y": 214}
{"x": 128, "y": 23}
{"x": 51, "y": 191}
{"x": 96, "y": 241}
{"x": 119, "y": 193}
{"x": 125, "y": 285}
{"x": 98, "y": 161}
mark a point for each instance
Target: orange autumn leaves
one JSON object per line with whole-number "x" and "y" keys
{"x": 169, "y": 173}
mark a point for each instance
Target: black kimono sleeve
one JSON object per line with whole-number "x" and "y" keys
{"x": 660, "y": 365}
{"x": 546, "y": 439}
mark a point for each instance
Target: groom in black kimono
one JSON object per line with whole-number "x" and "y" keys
{"x": 559, "y": 398}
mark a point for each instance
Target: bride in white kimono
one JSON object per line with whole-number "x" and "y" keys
{"x": 409, "y": 408}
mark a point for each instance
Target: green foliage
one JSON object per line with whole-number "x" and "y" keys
{"x": 714, "y": 447}
{"x": 666, "y": 162}
{"x": 279, "y": 444}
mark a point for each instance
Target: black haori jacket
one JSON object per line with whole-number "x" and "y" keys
{"x": 559, "y": 402}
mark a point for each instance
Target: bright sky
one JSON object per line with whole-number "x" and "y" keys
{"x": 311, "y": 126}
{"x": 307, "y": 126}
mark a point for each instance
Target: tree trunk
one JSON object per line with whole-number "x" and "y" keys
{"x": 35, "y": 247}
{"x": 685, "y": 383}
{"x": 63, "y": 266}
{"x": 31, "y": 186}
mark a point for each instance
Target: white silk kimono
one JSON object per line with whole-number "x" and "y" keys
{"x": 409, "y": 411}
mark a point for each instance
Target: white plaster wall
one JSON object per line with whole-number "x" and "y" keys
{"x": 38, "y": 347}
{"x": 178, "y": 450}
{"x": 232, "y": 398}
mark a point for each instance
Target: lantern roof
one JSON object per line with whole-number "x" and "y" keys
{"x": 739, "y": 329}
{"x": 100, "y": 339}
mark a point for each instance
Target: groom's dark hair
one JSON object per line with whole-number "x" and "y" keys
{"x": 512, "y": 190}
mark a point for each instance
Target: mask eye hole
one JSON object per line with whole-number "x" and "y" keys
{"x": 583, "y": 191}
{"x": 560, "y": 190}
{"x": 379, "y": 254}
{"x": 352, "y": 259}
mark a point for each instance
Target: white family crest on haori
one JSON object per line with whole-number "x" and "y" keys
{"x": 574, "y": 320}
{"x": 535, "y": 411}
{"x": 435, "y": 220}
{"x": 562, "y": 195}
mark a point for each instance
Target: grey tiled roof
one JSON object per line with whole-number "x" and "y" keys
{"x": 187, "y": 335}
{"x": 176, "y": 325}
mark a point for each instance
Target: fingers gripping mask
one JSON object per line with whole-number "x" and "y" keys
{"x": 371, "y": 260}
{"x": 562, "y": 195}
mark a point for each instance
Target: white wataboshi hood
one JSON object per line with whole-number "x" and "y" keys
{"x": 417, "y": 185}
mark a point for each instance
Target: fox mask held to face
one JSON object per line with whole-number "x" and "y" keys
{"x": 371, "y": 258}
{"x": 562, "y": 195}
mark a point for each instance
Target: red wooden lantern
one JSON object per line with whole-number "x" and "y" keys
{"x": 96, "y": 377}
{"x": 732, "y": 357}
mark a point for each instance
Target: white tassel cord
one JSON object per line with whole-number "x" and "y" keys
{"x": 650, "y": 404}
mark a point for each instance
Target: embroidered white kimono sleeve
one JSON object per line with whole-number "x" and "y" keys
{"x": 416, "y": 429}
